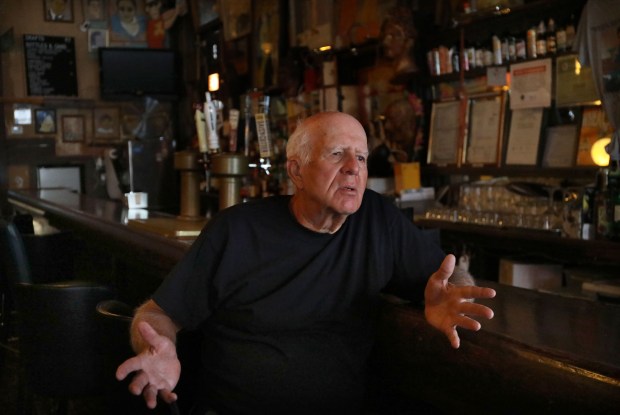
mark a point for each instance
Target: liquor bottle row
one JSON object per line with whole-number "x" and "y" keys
{"x": 606, "y": 203}
{"x": 544, "y": 39}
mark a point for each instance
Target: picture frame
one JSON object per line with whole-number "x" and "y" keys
{"x": 119, "y": 34}
{"x": 524, "y": 136}
{"x": 45, "y": 121}
{"x": 573, "y": 87}
{"x": 73, "y": 128}
{"x": 485, "y": 131}
{"x": 95, "y": 11}
{"x": 97, "y": 38}
{"x": 106, "y": 124}
{"x": 445, "y": 135}
{"x": 593, "y": 126}
{"x": 58, "y": 11}
{"x": 560, "y": 146}
{"x": 205, "y": 12}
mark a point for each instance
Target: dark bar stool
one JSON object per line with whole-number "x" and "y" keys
{"x": 61, "y": 352}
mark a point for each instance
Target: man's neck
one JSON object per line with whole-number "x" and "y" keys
{"x": 318, "y": 221}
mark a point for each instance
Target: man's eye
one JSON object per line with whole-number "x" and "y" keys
{"x": 361, "y": 159}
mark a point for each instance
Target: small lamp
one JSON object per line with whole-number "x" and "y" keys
{"x": 598, "y": 152}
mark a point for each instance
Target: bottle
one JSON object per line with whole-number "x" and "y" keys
{"x": 570, "y": 32}
{"x": 601, "y": 208}
{"x": 497, "y": 50}
{"x": 560, "y": 39}
{"x": 541, "y": 39}
{"x": 551, "y": 37}
{"x": 531, "y": 43}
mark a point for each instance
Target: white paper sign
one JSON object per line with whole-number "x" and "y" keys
{"x": 531, "y": 84}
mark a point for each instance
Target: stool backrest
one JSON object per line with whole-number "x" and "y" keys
{"x": 60, "y": 341}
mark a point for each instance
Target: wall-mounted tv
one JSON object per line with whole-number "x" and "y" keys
{"x": 130, "y": 73}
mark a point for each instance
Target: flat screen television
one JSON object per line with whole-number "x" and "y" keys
{"x": 130, "y": 73}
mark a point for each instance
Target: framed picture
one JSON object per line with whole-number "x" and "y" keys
{"x": 444, "y": 145}
{"x": 73, "y": 130}
{"x": 97, "y": 38}
{"x": 560, "y": 146}
{"x": 524, "y": 136}
{"x": 485, "y": 131}
{"x": 205, "y": 12}
{"x": 95, "y": 11}
{"x": 122, "y": 33}
{"x": 106, "y": 124}
{"x": 45, "y": 121}
{"x": 58, "y": 10}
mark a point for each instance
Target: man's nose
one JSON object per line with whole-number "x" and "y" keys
{"x": 351, "y": 165}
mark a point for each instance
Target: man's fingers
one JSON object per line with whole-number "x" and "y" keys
{"x": 473, "y": 309}
{"x": 150, "y": 396}
{"x": 447, "y": 268}
{"x": 168, "y": 396}
{"x": 130, "y": 365}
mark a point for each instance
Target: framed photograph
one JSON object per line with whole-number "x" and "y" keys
{"x": 97, "y": 38}
{"x": 560, "y": 146}
{"x": 485, "y": 131}
{"x": 205, "y": 12}
{"x": 95, "y": 11}
{"x": 45, "y": 121}
{"x": 524, "y": 136}
{"x": 73, "y": 130}
{"x": 58, "y": 10}
{"x": 445, "y": 139}
{"x": 106, "y": 124}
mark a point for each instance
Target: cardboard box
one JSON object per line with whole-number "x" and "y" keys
{"x": 530, "y": 274}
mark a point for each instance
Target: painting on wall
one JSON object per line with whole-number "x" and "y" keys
{"x": 58, "y": 10}
{"x": 95, "y": 11}
{"x": 128, "y": 23}
{"x": 45, "y": 121}
{"x": 73, "y": 130}
{"x": 106, "y": 125}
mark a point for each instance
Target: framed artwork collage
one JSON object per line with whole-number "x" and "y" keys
{"x": 76, "y": 129}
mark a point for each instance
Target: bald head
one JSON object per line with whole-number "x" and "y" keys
{"x": 300, "y": 143}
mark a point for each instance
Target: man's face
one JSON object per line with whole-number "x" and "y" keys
{"x": 336, "y": 176}
{"x": 126, "y": 11}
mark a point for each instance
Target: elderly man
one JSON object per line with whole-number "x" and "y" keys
{"x": 285, "y": 288}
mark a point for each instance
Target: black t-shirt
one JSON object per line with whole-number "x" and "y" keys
{"x": 287, "y": 313}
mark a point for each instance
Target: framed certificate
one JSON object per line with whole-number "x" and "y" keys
{"x": 524, "y": 136}
{"x": 574, "y": 84}
{"x": 560, "y": 146}
{"x": 445, "y": 133}
{"x": 485, "y": 131}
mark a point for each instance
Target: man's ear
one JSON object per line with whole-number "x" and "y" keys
{"x": 294, "y": 173}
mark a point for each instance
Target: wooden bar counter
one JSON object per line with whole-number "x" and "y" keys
{"x": 542, "y": 353}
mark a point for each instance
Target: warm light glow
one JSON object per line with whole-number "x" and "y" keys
{"x": 598, "y": 152}
{"x": 214, "y": 82}
{"x": 325, "y": 48}
{"x": 577, "y": 67}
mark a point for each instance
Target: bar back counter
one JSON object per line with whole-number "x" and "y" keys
{"x": 542, "y": 353}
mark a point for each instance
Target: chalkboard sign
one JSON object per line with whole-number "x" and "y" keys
{"x": 50, "y": 65}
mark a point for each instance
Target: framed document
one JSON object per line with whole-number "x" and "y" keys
{"x": 485, "y": 131}
{"x": 560, "y": 146}
{"x": 531, "y": 84}
{"x": 574, "y": 84}
{"x": 445, "y": 133}
{"x": 524, "y": 136}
